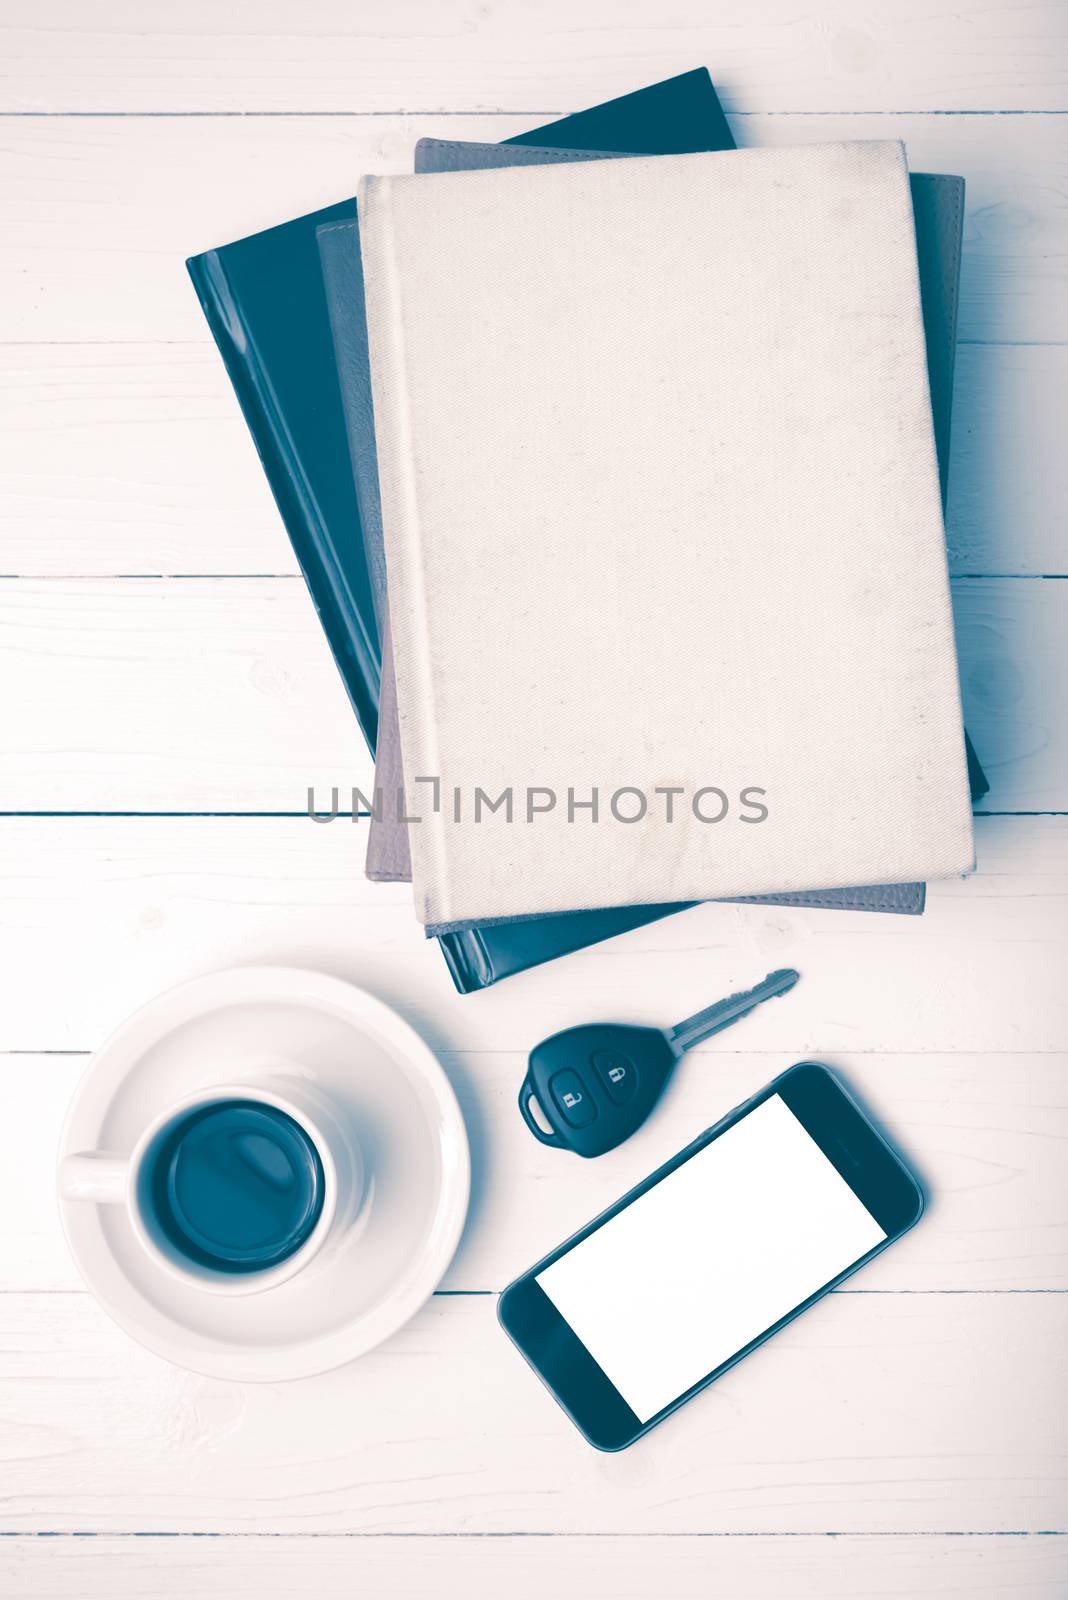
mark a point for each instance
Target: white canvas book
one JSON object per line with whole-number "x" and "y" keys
{"x": 662, "y": 525}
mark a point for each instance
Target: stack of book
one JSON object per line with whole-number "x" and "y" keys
{"x": 614, "y": 460}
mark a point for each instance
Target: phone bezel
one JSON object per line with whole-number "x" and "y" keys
{"x": 850, "y": 1141}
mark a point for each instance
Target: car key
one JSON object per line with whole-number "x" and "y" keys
{"x": 595, "y": 1085}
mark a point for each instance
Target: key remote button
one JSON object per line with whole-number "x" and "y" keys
{"x": 616, "y": 1072}
{"x": 577, "y": 1105}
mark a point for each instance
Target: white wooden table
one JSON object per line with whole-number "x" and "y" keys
{"x": 168, "y": 698}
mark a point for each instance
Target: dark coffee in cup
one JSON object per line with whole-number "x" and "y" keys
{"x": 234, "y": 1186}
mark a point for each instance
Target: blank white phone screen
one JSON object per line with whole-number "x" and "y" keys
{"x": 710, "y": 1257}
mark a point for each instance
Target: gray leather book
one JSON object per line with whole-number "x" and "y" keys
{"x": 937, "y": 204}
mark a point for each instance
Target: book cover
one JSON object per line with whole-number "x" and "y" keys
{"x": 727, "y": 350}
{"x": 938, "y": 211}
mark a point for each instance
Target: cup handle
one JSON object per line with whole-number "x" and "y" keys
{"x": 93, "y": 1175}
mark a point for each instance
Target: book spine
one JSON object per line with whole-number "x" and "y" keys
{"x": 977, "y": 778}
{"x": 354, "y": 651}
{"x": 411, "y": 622}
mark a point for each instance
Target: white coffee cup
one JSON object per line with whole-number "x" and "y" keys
{"x": 101, "y": 1177}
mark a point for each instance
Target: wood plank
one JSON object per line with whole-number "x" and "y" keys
{"x": 860, "y": 1417}
{"x": 172, "y": 696}
{"x": 134, "y": 458}
{"x": 101, "y": 211}
{"x": 331, "y": 56}
{"x": 986, "y": 1132}
{"x": 195, "y": 695}
{"x": 1008, "y": 467}
{"x": 98, "y": 914}
{"x": 130, "y": 459}
{"x": 807, "y": 1567}
{"x": 1010, "y": 639}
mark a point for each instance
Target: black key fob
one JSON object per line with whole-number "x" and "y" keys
{"x": 595, "y": 1085}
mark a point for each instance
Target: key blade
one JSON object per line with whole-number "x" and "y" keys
{"x": 703, "y": 1024}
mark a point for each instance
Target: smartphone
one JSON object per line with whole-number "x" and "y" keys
{"x": 720, "y": 1248}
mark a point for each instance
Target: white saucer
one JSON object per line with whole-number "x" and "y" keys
{"x": 411, "y": 1134}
